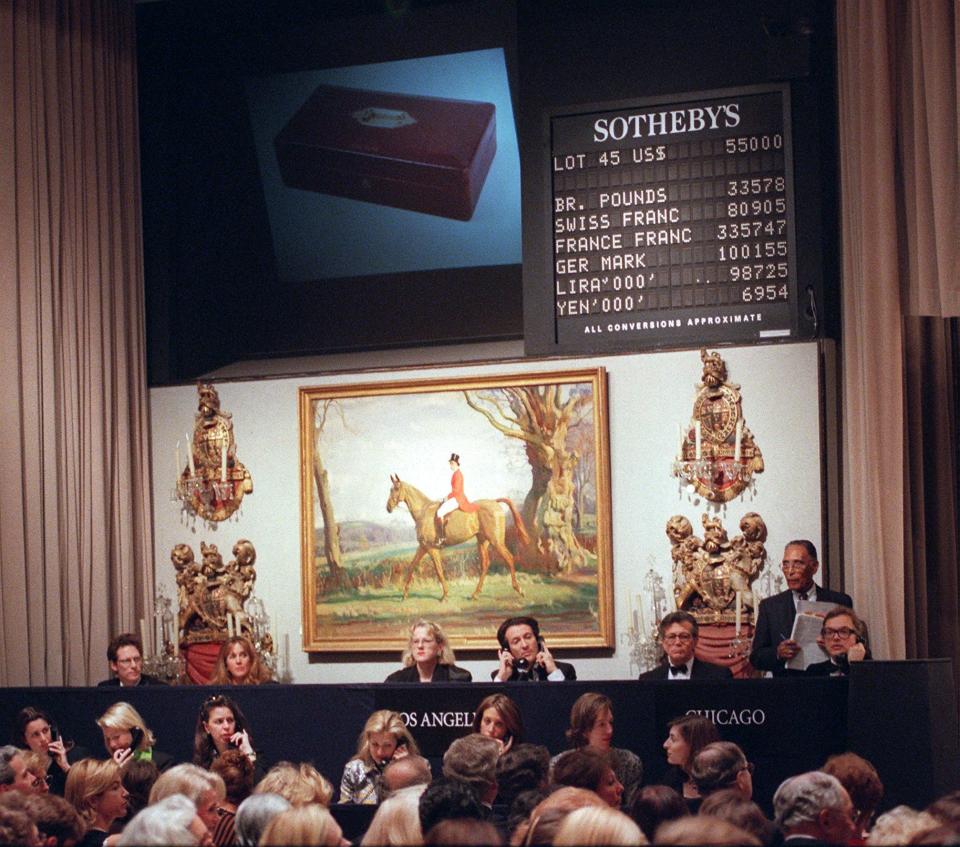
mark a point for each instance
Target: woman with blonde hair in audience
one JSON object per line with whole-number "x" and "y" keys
{"x": 595, "y": 825}
{"x": 127, "y": 736}
{"x": 428, "y": 657}
{"x": 303, "y": 826}
{"x": 95, "y": 790}
{"x": 299, "y": 784}
{"x": 546, "y": 816}
{"x": 239, "y": 663}
{"x": 397, "y": 821}
{"x": 899, "y": 825}
{"x": 591, "y": 727}
{"x": 385, "y": 737}
{"x": 203, "y": 788}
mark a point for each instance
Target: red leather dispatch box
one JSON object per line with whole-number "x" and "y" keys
{"x": 428, "y": 154}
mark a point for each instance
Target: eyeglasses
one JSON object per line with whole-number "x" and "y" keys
{"x": 749, "y": 767}
{"x": 789, "y": 567}
{"x": 678, "y": 636}
{"x": 135, "y": 660}
{"x": 40, "y": 780}
{"x": 840, "y": 632}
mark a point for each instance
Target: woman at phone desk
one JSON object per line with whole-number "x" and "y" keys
{"x": 428, "y": 657}
{"x": 128, "y": 738}
{"x": 222, "y": 726}
{"x": 34, "y": 730}
{"x": 844, "y": 638}
{"x": 385, "y": 737}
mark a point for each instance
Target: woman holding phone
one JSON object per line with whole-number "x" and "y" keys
{"x": 127, "y": 737}
{"x": 222, "y": 726}
{"x": 498, "y": 717}
{"x": 34, "y": 730}
{"x": 385, "y": 737}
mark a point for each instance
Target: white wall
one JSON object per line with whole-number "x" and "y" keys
{"x": 649, "y": 394}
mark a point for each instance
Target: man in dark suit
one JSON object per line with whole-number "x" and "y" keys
{"x": 679, "y": 632}
{"x": 772, "y": 645}
{"x": 525, "y": 656}
{"x": 813, "y": 808}
{"x": 125, "y": 654}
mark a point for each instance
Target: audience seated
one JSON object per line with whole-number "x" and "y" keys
{"x": 404, "y": 773}
{"x": 497, "y": 716}
{"x": 14, "y": 775}
{"x": 448, "y": 799}
{"x": 138, "y": 778}
{"x": 863, "y": 784}
{"x": 204, "y": 789}
{"x": 546, "y": 817}
{"x": 171, "y": 821}
{"x": 57, "y": 822}
{"x": 311, "y": 825}
{"x": 591, "y": 728}
{"x": 463, "y": 833}
{"x": 687, "y": 736}
{"x": 236, "y": 771}
{"x": 472, "y": 760}
{"x": 253, "y": 815}
{"x": 127, "y": 736}
{"x": 813, "y": 808}
{"x": 586, "y": 768}
{"x": 95, "y": 790}
{"x": 299, "y": 784}
{"x": 703, "y": 829}
{"x": 720, "y": 765}
{"x": 654, "y": 805}
{"x": 523, "y": 768}
{"x": 899, "y": 825}
{"x": 221, "y": 725}
{"x": 730, "y": 805}
{"x": 34, "y": 730}
{"x": 16, "y": 827}
{"x": 397, "y": 821}
{"x": 594, "y": 825}
{"x": 385, "y": 737}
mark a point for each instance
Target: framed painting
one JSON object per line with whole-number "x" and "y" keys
{"x": 518, "y": 468}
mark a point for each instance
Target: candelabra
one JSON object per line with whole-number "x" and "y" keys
{"x": 263, "y": 641}
{"x": 642, "y": 637}
{"x": 167, "y": 663}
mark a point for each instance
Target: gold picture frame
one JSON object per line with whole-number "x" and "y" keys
{"x": 534, "y": 453}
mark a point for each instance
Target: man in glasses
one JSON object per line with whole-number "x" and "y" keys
{"x": 772, "y": 645}
{"x": 721, "y": 765}
{"x": 125, "y": 654}
{"x": 845, "y": 640}
{"x": 678, "y": 637}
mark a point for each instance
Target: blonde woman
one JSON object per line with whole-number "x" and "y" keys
{"x": 397, "y": 821}
{"x": 596, "y": 825}
{"x": 385, "y": 737}
{"x": 95, "y": 790}
{"x": 238, "y": 663}
{"x": 298, "y": 784}
{"x": 428, "y": 657}
{"x": 304, "y": 826}
{"x": 127, "y": 737}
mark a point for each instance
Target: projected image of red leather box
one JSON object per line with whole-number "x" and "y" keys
{"x": 427, "y": 154}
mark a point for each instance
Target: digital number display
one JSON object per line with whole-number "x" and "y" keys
{"x": 673, "y": 223}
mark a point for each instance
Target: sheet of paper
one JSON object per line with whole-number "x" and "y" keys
{"x": 806, "y": 631}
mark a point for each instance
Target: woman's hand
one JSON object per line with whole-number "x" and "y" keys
{"x": 503, "y": 746}
{"x": 506, "y": 666}
{"x": 122, "y": 756}
{"x": 401, "y": 752}
{"x": 58, "y": 753}
{"x": 242, "y": 741}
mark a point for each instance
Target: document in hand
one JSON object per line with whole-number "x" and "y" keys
{"x": 806, "y": 631}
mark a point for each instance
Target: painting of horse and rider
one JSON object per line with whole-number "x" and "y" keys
{"x": 459, "y": 500}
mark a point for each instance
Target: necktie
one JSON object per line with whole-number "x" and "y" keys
{"x": 678, "y": 670}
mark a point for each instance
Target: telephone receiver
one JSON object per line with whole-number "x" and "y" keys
{"x": 54, "y": 732}
{"x": 136, "y": 736}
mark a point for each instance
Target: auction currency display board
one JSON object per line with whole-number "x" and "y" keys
{"x": 672, "y": 223}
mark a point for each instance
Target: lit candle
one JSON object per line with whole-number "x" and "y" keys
{"x": 143, "y": 636}
{"x": 236, "y": 626}
{"x": 679, "y": 442}
{"x": 697, "y": 431}
{"x": 179, "y": 468}
{"x": 193, "y": 467}
{"x": 737, "y": 438}
{"x": 176, "y": 642}
{"x": 223, "y": 459}
{"x": 641, "y": 623}
{"x": 739, "y": 606}
{"x": 229, "y": 625}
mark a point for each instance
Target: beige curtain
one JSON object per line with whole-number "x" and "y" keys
{"x": 75, "y": 535}
{"x": 897, "y": 66}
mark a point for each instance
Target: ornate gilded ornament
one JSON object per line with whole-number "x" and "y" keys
{"x": 717, "y": 453}
{"x": 212, "y": 594}
{"x": 713, "y": 576}
{"x": 214, "y": 481}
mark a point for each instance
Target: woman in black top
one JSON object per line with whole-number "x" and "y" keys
{"x": 429, "y": 657}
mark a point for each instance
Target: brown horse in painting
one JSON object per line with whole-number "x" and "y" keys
{"x": 487, "y": 525}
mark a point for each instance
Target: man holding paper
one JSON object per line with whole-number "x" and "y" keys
{"x": 773, "y": 645}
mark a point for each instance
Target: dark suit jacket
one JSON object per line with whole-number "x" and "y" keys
{"x": 441, "y": 673}
{"x": 540, "y": 673}
{"x": 700, "y": 670}
{"x": 113, "y": 682}
{"x": 775, "y": 622}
